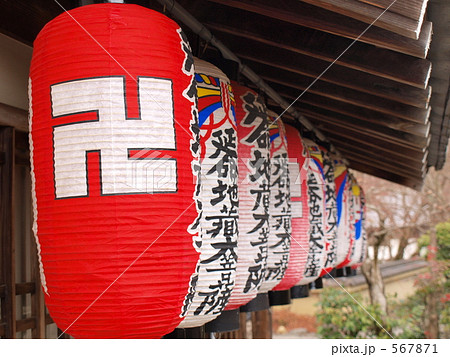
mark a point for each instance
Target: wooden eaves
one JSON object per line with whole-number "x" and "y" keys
{"x": 383, "y": 104}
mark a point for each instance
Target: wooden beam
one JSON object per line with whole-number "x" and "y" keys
{"x": 2, "y": 290}
{"x": 387, "y": 166}
{"x": 25, "y": 324}
{"x": 236, "y": 33}
{"x": 344, "y": 121}
{"x": 291, "y": 88}
{"x": 261, "y": 324}
{"x": 2, "y": 329}
{"x": 242, "y": 325}
{"x": 337, "y": 74}
{"x": 401, "y": 165}
{"x": 364, "y": 139}
{"x": 364, "y": 114}
{"x": 17, "y": 118}
{"x": 367, "y": 13}
{"x": 371, "y": 157}
{"x": 22, "y": 153}
{"x": 7, "y": 251}
{"x": 414, "y": 183}
{"x": 302, "y": 14}
{"x": 25, "y": 288}
{"x": 413, "y": 9}
{"x": 340, "y": 141}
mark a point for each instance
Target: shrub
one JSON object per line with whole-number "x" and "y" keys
{"x": 340, "y": 316}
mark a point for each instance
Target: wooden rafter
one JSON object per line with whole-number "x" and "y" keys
{"x": 377, "y": 61}
{"x": 337, "y": 74}
{"x": 292, "y": 90}
{"x": 388, "y": 20}
{"x": 412, "y": 182}
{"x": 359, "y": 141}
{"x": 382, "y": 164}
{"x": 371, "y": 116}
{"x": 369, "y": 140}
{"x": 344, "y": 121}
{"x": 300, "y": 13}
{"x": 381, "y": 155}
{"x": 413, "y": 9}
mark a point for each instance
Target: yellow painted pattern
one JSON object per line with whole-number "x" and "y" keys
{"x": 204, "y": 92}
{"x": 339, "y": 170}
{"x": 356, "y": 190}
{"x": 205, "y": 79}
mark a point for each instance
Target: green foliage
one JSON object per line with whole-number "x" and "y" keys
{"x": 409, "y": 315}
{"x": 443, "y": 241}
{"x": 436, "y": 282}
{"x": 423, "y": 242}
{"x": 411, "y": 312}
{"x": 340, "y": 316}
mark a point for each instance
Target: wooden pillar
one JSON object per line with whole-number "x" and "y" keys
{"x": 262, "y": 324}
{"x": 7, "y": 276}
{"x": 243, "y": 325}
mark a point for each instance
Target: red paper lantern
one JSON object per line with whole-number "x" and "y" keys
{"x": 316, "y": 194}
{"x": 330, "y": 213}
{"x": 298, "y": 170}
{"x": 280, "y": 230}
{"x": 113, "y": 130}
{"x": 253, "y": 185}
{"x": 218, "y": 195}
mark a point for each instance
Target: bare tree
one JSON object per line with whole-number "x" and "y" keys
{"x": 399, "y": 214}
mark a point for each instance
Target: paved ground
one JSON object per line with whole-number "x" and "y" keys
{"x": 298, "y": 333}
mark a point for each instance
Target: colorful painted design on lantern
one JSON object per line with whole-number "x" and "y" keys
{"x": 356, "y": 224}
{"x": 114, "y": 230}
{"x": 350, "y": 223}
{"x": 214, "y": 94}
{"x": 316, "y": 194}
{"x": 298, "y": 171}
{"x": 217, "y": 193}
{"x": 363, "y": 227}
{"x": 330, "y": 212}
{"x": 279, "y": 206}
{"x": 316, "y": 156}
{"x": 363, "y": 250}
{"x": 254, "y": 194}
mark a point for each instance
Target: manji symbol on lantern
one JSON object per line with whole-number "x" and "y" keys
{"x": 254, "y": 194}
{"x": 213, "y": 281}
{"x": 112, "y": 148}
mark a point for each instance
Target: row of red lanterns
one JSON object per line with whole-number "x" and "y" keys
{"x": 164, "y": 194}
